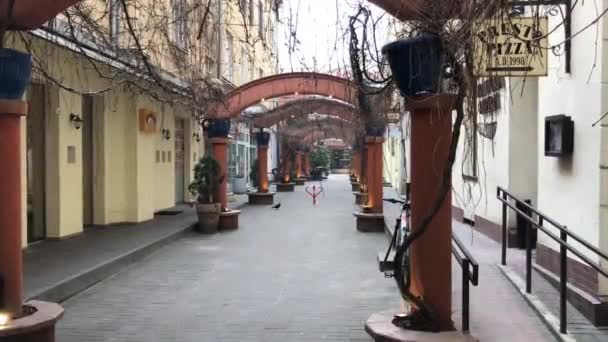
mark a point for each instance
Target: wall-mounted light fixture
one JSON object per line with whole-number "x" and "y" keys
{"x": 166, "y": 133}
{"x": 76, "y": 120}
{"x": 4, "y": 319}
{"x": 197, "y": 137}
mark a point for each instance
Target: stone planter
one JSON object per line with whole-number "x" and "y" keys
{"x": 239, "y": 185}
{"x": 261, "y": 198}
{"x": 286, "y": 187}
{"x": 208, "y": 217}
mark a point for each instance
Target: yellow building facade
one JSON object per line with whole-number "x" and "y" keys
{"x": 97, "y": 152}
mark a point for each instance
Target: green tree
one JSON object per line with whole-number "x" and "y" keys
{"x": 320, "y": 157}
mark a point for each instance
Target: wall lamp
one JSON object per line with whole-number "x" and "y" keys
{"x": 166, "y": 134}
{"x": 76, "y": 120}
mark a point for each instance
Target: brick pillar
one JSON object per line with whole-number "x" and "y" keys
{"x": 298, "y": 164}
{"x": 220, "y": 153}
{"x": 11, "y": 269}
{"x": 356, "y": 164}
{"x": 262, "y": 168}
{"x": 431, "y": 265}
{"x": 374, "y": 173}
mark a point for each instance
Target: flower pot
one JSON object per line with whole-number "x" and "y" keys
{"x": 239, "y": 185}
{"x": 15, "y": 73}
{"x": 208, "y": 217}
{"x": 218, "y": 128}
{"x": 262, "y": 138}
{"x": 416, "y": 64}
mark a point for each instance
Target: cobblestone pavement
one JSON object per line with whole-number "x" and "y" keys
{"x": 301, "y": 273}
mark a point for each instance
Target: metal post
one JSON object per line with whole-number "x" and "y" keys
{"x": 504, "y": 229}
{"x": 528, "y": 257}
{"x": 465, "y": 295}
{"x": 563, "y": 280}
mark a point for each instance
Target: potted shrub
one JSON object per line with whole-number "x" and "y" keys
{"x": 204, "y": 187}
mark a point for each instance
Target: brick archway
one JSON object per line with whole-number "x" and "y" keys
{"x": 297, "y": 83}
{"x": 323, "y": 106}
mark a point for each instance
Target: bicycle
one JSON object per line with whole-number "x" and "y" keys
{"x": 423, "y": 318}
{"x": 402, "y": 229}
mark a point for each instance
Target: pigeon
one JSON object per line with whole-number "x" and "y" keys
{"x": 276, "y": 206}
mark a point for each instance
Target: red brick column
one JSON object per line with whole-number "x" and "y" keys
{"x": 262, "y": 168}
{"x": 431, "y": 265}
{"x": 10, "y": 204}
{"x": 298, "y": 164}
{"x": 374, "y": 173}
{"x": 220, "y": 153}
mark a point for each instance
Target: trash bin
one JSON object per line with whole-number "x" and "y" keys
{"x": 523, "y": 224}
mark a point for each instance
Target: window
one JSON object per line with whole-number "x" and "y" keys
{"x": 229, "y": 56}
{"x": 244, "y": 65}
{"x": 210, "y": 65}
{"x": 261, "y": 19}
{"x": 115, "y": 17}
{"x": 251, "y": 13}
{"x": 251, "y": 69}
{"x": 179, "y": 24}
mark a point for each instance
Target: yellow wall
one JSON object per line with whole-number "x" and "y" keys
{"x": 129, "y": 185}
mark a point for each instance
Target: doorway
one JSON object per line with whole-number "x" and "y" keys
{"x": 36, "y": 163}
{"x": 179, "y": 160}
{"x": 88, "y": 160}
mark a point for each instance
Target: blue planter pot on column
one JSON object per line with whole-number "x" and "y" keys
{"x": 416, "y": 63}
{"x": 15, "y": 73}
{"x": 218, "y": 128}
{"x": 262, "y": 138}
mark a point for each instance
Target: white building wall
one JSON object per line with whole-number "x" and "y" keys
{"x": 568, "y": 188}
{"x": 478, "y": 197}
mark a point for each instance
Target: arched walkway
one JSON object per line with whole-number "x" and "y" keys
{"x": 306, "y": 106}
{"x": 297, "y": 83}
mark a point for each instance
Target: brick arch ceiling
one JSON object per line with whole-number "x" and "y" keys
{"x": 309, "y": 135}
{"x": 296, "y": 83}
{"x": 304, "y": 107}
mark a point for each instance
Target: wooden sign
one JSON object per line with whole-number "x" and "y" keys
{"x": 147, "y": 121}
{"x": 511, "y": 47}
{"x": 393, "y": 118}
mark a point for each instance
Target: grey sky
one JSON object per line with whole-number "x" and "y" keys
{"x": 321, "y": 28}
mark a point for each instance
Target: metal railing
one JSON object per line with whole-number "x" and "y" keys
{"x": 470, "y": 274}
{"x": 539, "y": 222}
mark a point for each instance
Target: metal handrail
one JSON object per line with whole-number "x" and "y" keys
{"x": 466, "y": 261}
{"x": 561, "y": 228}
{"x": 504, "y": 196}
{"x": 461, "y": 253}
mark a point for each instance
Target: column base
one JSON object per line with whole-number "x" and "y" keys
{"x": 300, "y": 181}
{"x": 360, "y": 197}
{"x": 37, "y": 327}
{"x": 229, "y": 220}
{"x": 369, "y": 222}
{"x": 355, "y": 186}
{"x": 261, "y": 198}
{"x": 381, "y": 328}
{"x": 286, "y": 187}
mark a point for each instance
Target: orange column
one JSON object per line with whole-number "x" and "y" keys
{"x": 374, "y": 173}
{"x": 431, "y": 266}
{"x": 10, "y": 204}
{"x": 262, "y": 168}
{"x": 220, "y": 153}
{"x": 298, "y": 164}
{"x": 356, "y": 164}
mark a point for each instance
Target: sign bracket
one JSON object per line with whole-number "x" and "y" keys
{"x": 567, "y": 22}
